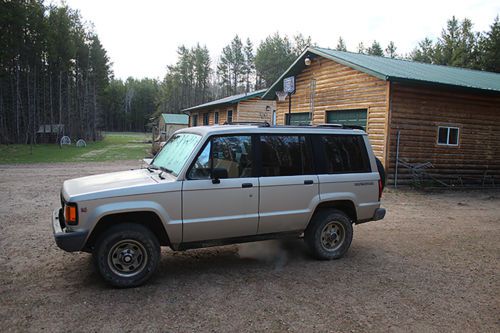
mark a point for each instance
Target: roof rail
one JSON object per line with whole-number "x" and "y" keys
{"x": 342, "y": 126}
{"x": 255, "y": 123}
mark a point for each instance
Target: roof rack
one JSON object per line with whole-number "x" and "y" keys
{"x": 255, "y": 123}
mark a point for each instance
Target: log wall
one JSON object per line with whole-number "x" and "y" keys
{"x": 338, "y": 87}
{"x": 417, "y": 111}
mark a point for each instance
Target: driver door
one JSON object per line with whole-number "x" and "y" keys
{"x": 228, "y": 208}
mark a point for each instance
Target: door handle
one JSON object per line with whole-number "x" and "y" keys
{"x": 308, "y": 182}
{"x": 246, "y": 185}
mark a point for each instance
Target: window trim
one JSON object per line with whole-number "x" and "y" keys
{"x": 448, "y": 128}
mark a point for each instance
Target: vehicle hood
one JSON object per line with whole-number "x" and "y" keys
{"x": 113, "y": 184}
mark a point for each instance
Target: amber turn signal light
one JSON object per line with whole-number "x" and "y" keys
{"x": 70, "y": 214}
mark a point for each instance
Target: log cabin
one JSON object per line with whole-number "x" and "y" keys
{"x": 246, "y": 107}
{"x": 418, "y": 116}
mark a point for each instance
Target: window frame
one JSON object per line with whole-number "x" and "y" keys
{"x": 216, "y": 117}
{"x": 206, "y": 116}
{"x": 448, "y": 128}
{"x": 227, "y": 116}
{"x": 252, "y": 136}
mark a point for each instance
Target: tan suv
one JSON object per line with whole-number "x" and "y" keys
{"x": 222, "y": 185}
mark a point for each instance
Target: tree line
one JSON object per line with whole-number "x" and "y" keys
{"x": 54, "y": 70}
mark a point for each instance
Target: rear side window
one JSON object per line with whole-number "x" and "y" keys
{"x": 285, "y": 155}
{"x": 345, "y": 154}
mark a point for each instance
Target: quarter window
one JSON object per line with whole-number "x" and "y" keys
{"x": 448, "y": 136}
{"x": 345, "y": 154}
{"x": 233, "y": 153}
{"x": 285, "y": 156}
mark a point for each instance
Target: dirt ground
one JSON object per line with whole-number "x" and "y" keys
{"x": 433, "y": 264}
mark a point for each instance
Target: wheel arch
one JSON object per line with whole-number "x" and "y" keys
{"x": 344, "y": 205}
{"x": 147, "y": 218}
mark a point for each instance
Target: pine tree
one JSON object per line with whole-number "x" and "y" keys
{"x": 341, "y": 45}
{"x": 490, "y": 48}
{"x": 375, "y": 49}
{"x": 390, "y": 50}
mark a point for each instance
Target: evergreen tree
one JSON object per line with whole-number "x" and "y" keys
{"x": 249, "y": 64}
{"x": 341, "y": 45}
{"x": 375, "y": 49}
{"x": 361, "y": 48}
{"x": 274, "y": 55}
{"x": 490, "y": 48}
{"x": 424, "y": 52}
{"x": 390, "y": 50}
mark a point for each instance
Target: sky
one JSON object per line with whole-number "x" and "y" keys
{"x": 142, "y": 37}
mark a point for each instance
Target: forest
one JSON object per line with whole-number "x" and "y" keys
{"x": 54, "y": 70}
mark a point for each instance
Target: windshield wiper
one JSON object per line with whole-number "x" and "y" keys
{"x": 152, "y": 167}
{"x": 167, "y": 170}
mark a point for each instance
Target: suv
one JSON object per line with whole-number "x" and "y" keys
{"x": 217, "y": 185}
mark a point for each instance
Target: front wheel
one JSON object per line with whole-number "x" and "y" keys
{"x": 329, "y": 234}
{"x": 127, "y": 255}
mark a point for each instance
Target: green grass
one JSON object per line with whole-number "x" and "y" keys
{"x": 114, "y": 146}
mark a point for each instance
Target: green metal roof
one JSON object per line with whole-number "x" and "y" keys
{"x": 172, "y": 118}
{"x": 396, "y": 70}
{"x": 228, "y": 100}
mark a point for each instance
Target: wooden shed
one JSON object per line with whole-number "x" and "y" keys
{"x": 246, "y": 107}
{"x": 168, "y": 123}
{"x": 422, "y": 120}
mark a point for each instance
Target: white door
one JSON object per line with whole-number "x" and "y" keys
{"x": 225, "y": 208}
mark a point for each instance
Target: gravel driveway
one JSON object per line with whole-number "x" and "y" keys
{"x": 433, "y": 264}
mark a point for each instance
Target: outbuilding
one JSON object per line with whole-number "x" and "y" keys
{"x": 422, "y": 119}
{"x": 168, "y": 123}
{"x": 245, "y": 107}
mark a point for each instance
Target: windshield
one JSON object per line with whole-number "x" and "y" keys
{"x": 176, "y": 151}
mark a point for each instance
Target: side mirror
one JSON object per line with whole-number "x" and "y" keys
{"x": 218, "y": 174}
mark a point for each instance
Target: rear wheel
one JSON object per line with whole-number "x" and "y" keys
{"x": 127, "y": 255}
{"x": 329, "y": 234}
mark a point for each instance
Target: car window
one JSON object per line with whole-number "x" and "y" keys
{"x": 345, "y": 154}
{"x": 176, "y": 151}
{"x": 285, "y": 155}
{"x": 232, "y": 153}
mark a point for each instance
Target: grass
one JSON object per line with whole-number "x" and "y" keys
{"x": 114, "y": 146}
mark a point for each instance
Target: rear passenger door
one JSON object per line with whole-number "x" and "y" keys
{"x": 288, "y": 183}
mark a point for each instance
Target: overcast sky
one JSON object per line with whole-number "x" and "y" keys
{"x": 142, "y": 37}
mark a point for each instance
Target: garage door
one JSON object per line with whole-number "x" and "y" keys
{"x": 297, "y": 118}
{"x": 347, "y": 117}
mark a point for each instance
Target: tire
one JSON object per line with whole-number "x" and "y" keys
{"x": 329, "y": 234}
{"x": 381, "y": 172}
{"x": 127, "y": 255}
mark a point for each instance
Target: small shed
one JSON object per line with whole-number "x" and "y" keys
{"x": 168, "y": 123}
{"x": 245, "y": 107}
{"x": 49, "y": 133}
{"x": 438, "y": 121}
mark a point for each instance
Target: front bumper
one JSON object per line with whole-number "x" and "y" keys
{"x": 68, "y": 241}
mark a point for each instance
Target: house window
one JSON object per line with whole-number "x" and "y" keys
{"x": 216, "y": 117}
{"x": 194, "y": 120}
{"x": 447, "y": 136}
{"x": 205, "y": 119}
{"x": 229, "y": 116}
